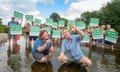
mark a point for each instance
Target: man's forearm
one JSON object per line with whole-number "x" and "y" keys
{"x": 42, "y": 47}
{"x": 80, "y": 32}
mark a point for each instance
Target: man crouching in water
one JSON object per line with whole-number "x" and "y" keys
{"x": 43, "y": 49}
{"x": 71, "y": 50}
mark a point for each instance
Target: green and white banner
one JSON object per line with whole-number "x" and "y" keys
{"x": 54, "y": 24}
{"x": 111, "y": 36}
{"x": 49, "y": 21}
{"x": 68, "y": 28}
{"x": 61, "y": 23}
{"x": 97, "y": 34}
{"x": 18, "y": 15}
{"x": 71, "y": 22}
{"x": 86, "y": 39}
{"x": 80, "y": 24}
{"x": 34, "y": 31}
{"x": 37, "y": 21}
{"x": 94, "y": 22}
{"x": 48, "y": 29}
{"x": 29, "y": 17}
{"x": 56, "y": 33}
{"x": 15, "y": 29}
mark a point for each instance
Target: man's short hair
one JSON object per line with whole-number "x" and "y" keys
{"x": 12, "y": 17}
{"x": 42, "y": 32}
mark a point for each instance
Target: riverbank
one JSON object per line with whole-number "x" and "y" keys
{"x": 3, "y": 37}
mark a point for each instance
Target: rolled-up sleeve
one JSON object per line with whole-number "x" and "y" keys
{"x": 37, "y": 44}
{"x": 77, "y": 37}
{"x": 63, "y": 46}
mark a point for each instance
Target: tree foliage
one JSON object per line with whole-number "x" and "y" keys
{"x": 0, "y": 21}
{"x": 109, "y": 14}
{"x": 55, "y": 17}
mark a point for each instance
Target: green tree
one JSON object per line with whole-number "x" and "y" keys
{"x": 109, "y": 14}
{"x": 112, "y": 14}
{"x": 64, "y": 20}
{"x": 55, "y": 17}
{"x": 0, "y": 21}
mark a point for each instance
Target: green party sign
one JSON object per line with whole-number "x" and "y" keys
{"x": 54, "y": 24}
{"x": 71, "y": 22}
{"x": 29, "y": 17}
{"x": 69, "y": 28}
{"x": 37, "y": 21}
{"x": 80, "y": 24}
{"x": 111, "y": 36}
{"x": 18, "y": 15}
{"x": 61, "y": 23}
{"x": 34, "y": 31}
{"x": 86, "y": 39}
{"x": 15, "y": 29}
{"x": 48, "y": 30}
{"x": 94, "y": 22}
{"x": 56, "y": 34}
{"x": 49, "y": 21}
{"x": 97, "y": 34}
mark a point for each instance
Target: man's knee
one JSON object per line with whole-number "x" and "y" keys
{"x": 51, "y": 51}
{"x": 59, "y": 58}
{"x": 43, "y": 59}
{"x": 85, "y": 61}
{"x": 63, "y": 59}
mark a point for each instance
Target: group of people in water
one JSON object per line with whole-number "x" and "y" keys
{"x": 70, "y": 51}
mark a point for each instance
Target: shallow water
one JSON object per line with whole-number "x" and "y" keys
{"x": 19, "y": 59}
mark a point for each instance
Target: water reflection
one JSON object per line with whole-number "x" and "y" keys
{"x": 41, "y": 67}
{"x": 14, "y": 57}
{"x": 117, "y": 56}
{"x": 14, "y": 49}
{"x": 57, "y": 42}
{"x": 102, "y": 60}
{"x": 73, "y": 67}
{"x": 27, "y": 50}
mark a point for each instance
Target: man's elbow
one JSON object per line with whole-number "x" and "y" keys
{"x": 82, "y": 35}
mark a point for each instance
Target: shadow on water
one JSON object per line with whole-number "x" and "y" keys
{"x": 74, "y": 67}
{"x": 41, "y": 67}
{"x": 117, "y": 56}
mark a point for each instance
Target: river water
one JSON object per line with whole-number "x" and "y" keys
{"x": 19, "y": 59}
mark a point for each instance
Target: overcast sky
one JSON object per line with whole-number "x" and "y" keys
{"x": 69, "y": 9}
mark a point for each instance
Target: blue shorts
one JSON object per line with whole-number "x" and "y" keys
{"x": 11, "y": 36}
{"x": 75, "y": 59}
{"x": 100, "y": 40}
{"x": 27, "y": 33}
{"x": 108, "y": 43}
{"x": 39, "y": 55}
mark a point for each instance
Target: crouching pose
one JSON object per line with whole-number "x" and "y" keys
{"x": 43, "y": 49}
{"x": 70, "y": 50}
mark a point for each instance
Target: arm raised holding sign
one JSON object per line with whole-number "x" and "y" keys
{"x": 76, "y": 29}
{"x": 10, "y": 36}
{"x": 70, "y": 48}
